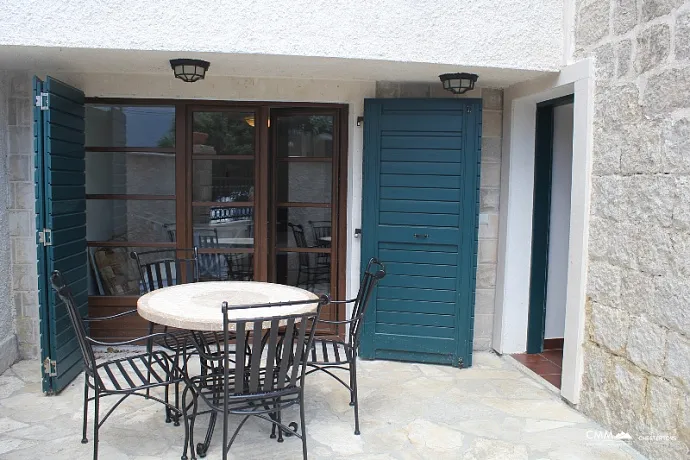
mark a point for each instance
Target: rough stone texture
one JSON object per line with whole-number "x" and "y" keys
{"x": 653, "y": 47}
{"x": 637, "y": 347}
{"x": 8, "y": 339}
{"x": 491, "y": 411}
{"x": 492, "y": 131}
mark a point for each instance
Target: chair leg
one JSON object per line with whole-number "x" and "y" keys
{"x": 96, "y": 402}
{"x": 353, "y": 370}
{"x": 84, "y": 439}
{"x": 304, "y": 426}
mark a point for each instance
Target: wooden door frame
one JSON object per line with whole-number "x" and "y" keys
{"x": 183, "y": 180}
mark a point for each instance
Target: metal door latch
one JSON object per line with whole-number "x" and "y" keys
{"x": 50, "y": 367}
{"x": 421, "y": 235}
{"x": 45, "y": 237}
{"x": 358, "y": 232}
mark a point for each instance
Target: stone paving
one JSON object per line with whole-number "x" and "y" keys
{"x": 408, "y": 411}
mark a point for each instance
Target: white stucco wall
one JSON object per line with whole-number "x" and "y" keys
{"x": 524, "y": 34}
{"x": 559, "y": 232}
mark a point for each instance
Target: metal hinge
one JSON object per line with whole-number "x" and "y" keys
{"x": 49, "y": 367}
{"x": 46, "y": 237}
{"x": 469, "y": 109}
{"x": 460, "y": 363}
{"x": 42, "y": 101}
{"x": 360, "y": 120}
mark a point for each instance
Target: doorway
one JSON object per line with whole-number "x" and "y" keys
{"x": 258, "y": 188}
{"x": 550, "y": 236}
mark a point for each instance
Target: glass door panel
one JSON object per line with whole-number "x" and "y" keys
{"x": 222, "y": 192}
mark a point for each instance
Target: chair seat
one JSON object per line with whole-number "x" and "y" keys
{"x": 184, "y": 338}
{"x": 131, "y": 373}
{"x": 329, "y": 352}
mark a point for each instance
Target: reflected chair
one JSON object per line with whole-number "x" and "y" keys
{"x": 211, "y": 266}
{"x": 131, "y": 376}
{"x": 240, "y": 266}
{"x": 263, "y": 378}
{"x": 328, "y": 354}
{"x": 321, "y": 232}
{"x": 306, "y": 268}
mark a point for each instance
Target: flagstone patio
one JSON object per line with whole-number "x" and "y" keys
{"x": 408, "y": 411}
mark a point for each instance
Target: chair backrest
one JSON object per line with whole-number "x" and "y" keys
{"x": 65, "y": 293}
{"x": 163, "y": 267}
{"x": 320, "y": 229}
{"x": 301, "y": 241}
{"x": 241, "y": 266}
{"x": 211, "y": 266}
{"x": 267, "y": 356}
{"x": 374, "y": 273}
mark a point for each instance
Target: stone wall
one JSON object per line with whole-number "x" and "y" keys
{"x": 637, "y": 349}
{"x": 492, "y": 126}
{"x": 8, "y": 339}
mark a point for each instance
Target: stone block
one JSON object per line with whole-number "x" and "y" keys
{"x": 21, "y": 140}
{"x": 607, "y": 197}
{"x": 486, "y": 276}
{"x": 490, "y": 175}
{"x": 679, "y": 262}
{"x": 610, "y": 327}
{"x": 484, "y": 301}
{"x": 612, "y": 241}
{"x": 387, "y": 89}
{"x": 676, "y": 145}
{"x": 492, "y": 99}
{"x": 414, "y": 89}
{"x": 662, "y": 414}
{"x": 678, "y": 359}
{"x": 592, "y": 23}
{"x": 20, "y": 168}
{"x": 641, "y": 148}
{"x": 605, "y": 62}
{"x": 598, "y": 366}
{"x": 648, "y": 199}
{"x": 606, "y": 155}
{"x": 653, "y": 47}
{"x": 492, "y": 123}
{"x": 488, "y": 228}
{"x": 23, "y": 250}
{"x": 682, "y": 40}
{"x": 23, "y": 195}
{"x": 483, "y": 325}
{"x": 21, "y": 223}
{"x": 623, "y": 57}
{"x": 658, "y": 97}
{"x": 638, "y": 291}
{"x": 24, "y": 277}
{"x": 604, "y": 283}
{"x": 491, "y": 149}
{"x": 488, "y": 251}
{"x": 671, "y": 300}
{"x": 647, "y": 345}
{"x": 624, "y": 16}
{"x": 21, "y": 85}
{"x": 488, "y": 199}
{"x": 617, "y": 105}
{"x": 654, "y": 8}
{"x": 19, "y": 112}
{"x": 626, "y": 394}
{"x": 436, "y": 91}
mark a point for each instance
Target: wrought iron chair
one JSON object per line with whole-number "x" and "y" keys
{"x": 124, "y": 377}
{"x": 331, "y": 354}
{"x": 312, "y": 272}
{"x": 321, "y": 231}
{"x": 263, "y": 378}
{"x": 240, "y": 266}
{"x": 211, "y": 266}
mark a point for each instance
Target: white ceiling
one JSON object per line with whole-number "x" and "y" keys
{"x": 75, "y": 60}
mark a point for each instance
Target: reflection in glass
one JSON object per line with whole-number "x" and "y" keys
{"x": 304, "y": 135}
{"x": 231, "y": 232}
{"x": 223, "y": 133}
{"x": 223, "y": 180}
{"x": 145, "y": 173}
{"x": 129, "y": 220}
{"x": 315, "y": 223}
{"x": 302, "y": 270}
{"x": 129, "y": 126}
{"x": 304, "y": 182}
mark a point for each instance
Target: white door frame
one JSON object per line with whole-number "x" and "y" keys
{"x": 515, "y": 219}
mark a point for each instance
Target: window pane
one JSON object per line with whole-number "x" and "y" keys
{"x": 223, "y": 133}
{"x": 303, "y": 227}
{"x": 223, "y": 227}
{"x": 305, "y": 270}
{"x": 223, "y": 180}
{"x": 224, "y": 267}
{"x": 129, "y": 126}
{"x": 114, "y": 272}
{"x": 304, "y": 182}
{"x": 118, "y": 173}
{"x": 304, "y": 136}
{"x": 130, "y": 220}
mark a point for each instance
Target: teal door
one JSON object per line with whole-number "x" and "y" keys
{"x": 60, "y": 223}
{"x": 420, "y": 204}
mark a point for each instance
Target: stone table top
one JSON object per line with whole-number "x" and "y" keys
{"x": 197, "y": 306}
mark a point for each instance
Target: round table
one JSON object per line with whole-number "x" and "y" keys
{"x": 197, "y": 306}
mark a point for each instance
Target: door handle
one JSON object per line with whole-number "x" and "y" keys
{"x": 421, "y": 235}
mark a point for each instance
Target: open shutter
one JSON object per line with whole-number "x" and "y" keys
{"x": 60, "y": 223}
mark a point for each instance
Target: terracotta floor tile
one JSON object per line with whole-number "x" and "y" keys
{"x": 544, "y": 367}
{"x": 555, "y": 356}
{"x": 553, "y": 379}
{"x": 526, "y": 359}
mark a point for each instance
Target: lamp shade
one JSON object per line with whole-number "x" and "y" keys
{"x": 458, "y": 83}
{"x": 189, "y": 70}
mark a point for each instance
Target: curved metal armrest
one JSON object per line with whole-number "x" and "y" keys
{"x": 103, "y": 318}
{"x": 137, "y": 339}
{"x": 343, "y": 301}
{"x": 326, "y": 321}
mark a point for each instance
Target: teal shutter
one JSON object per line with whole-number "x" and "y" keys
{"x": 420, "y": 218}
{"x": 60, "y": 223}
